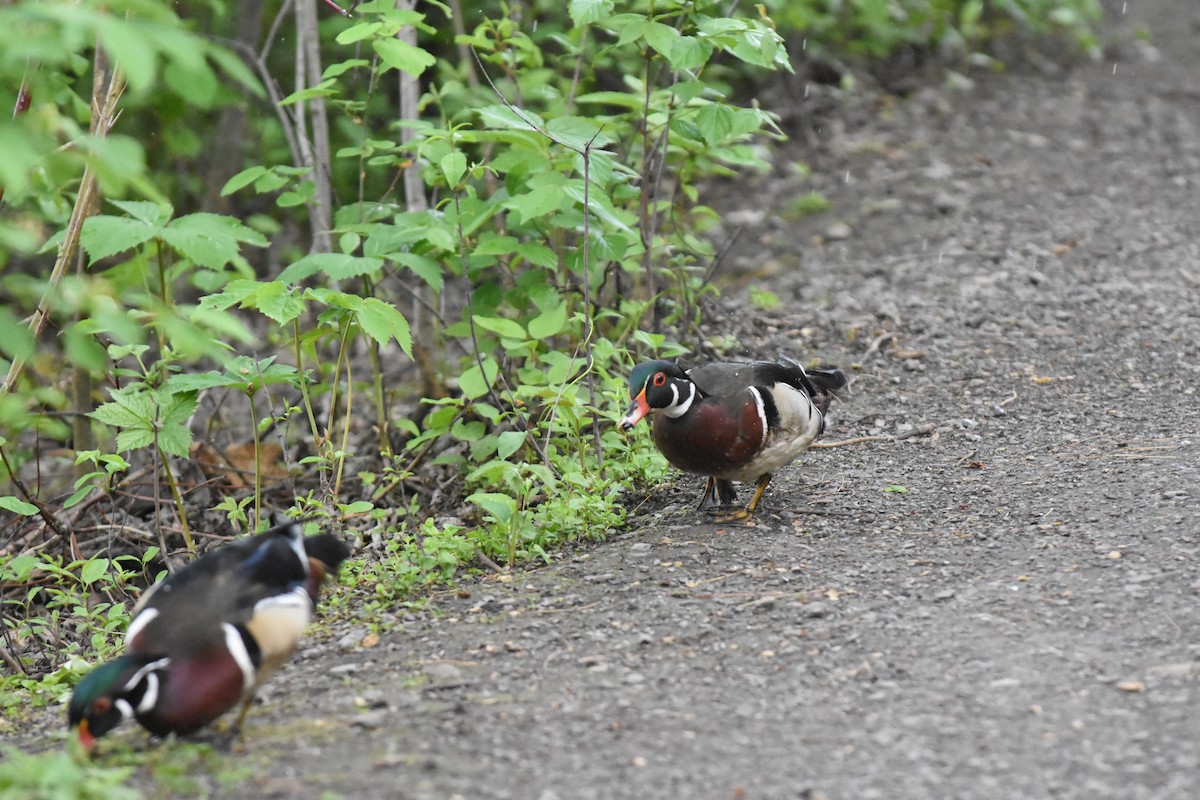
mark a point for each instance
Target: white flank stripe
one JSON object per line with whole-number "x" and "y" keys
{"x": 295, "y": 536}
{"x": 139, "y": 623}
{"x": 762, "y": 412}
{"x": 237, "y": 649}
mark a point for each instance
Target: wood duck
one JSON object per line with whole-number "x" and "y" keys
{"x": 732, "y": 421}
{"x": 209, "y": 635}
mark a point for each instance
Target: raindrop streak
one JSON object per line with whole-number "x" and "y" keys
{"x": 1114, "y": 69}
{"x": 1123, "y": 7}
{"x": 847, "y": 176}
{"x": 806, "y": 89}
{"x": 940, "y": 254}
{"x": 804, "y": 44}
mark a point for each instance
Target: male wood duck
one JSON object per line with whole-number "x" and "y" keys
{"x": 209, "y": 635}
{"x": 732, "y": 421}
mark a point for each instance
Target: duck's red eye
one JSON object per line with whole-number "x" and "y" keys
{"x": 101, "y": 705}
{"x": 660, "y": 379}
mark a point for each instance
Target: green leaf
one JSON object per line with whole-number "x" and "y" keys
{"x": 585, "y": 12}
{"x": 538, "y": 254}
{"x": 578, "y": 132}
{"x": 93, "y": 570}
{"x": 453, "y": 166}
{"x": 476, "y": 383}
{"x": 134, "y": 439}
{"x": 549, "y": 322}
{"x": 661, "y": 38}
{"x": 105, "y": 236}
{"x": 195, "y": 382}
{"x": 471, "y": 431}
{"x": 403, "y": 56}
{"x": 509, "y": 443}
{"x": 210, "y": 240}
{"x": 715, "y": 122}
{"x": 504, "y": 117}
{"x": 243, "y": 179}
{"x": 336, "y": 266}
{"x": 537, "y": 202}
{"x": 15, "y": 339}
{"x": 278, "y": 302}
{"x": 505, "y": 327}
{"x": 18, "y": 506}
{"x": 689, "y": 54}
{"x": 896, "y": 489}
{"x": 500, "y": 506}
{"x": 356, "y": 33}
{"x": 357, "y": 507}
{"x": 126, "y": 410}
{"x": 426, "y": 269}
{"x": 382, "y": 322}
{"x": 495, "y": 244}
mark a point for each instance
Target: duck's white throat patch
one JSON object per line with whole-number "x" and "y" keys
{"x": 678, "y": 406}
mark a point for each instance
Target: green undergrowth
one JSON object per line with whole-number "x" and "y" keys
{"x": 417, "y": 321}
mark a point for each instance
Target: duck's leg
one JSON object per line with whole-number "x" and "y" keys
{"x": 748, "y": 512}
{"x": 718, "y": 493}
{"x": 763, "y": 480}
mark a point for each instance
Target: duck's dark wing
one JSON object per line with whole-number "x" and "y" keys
{"x": 185, "y": 613}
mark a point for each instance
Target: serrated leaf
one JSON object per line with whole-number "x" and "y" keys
{"x": 127, "y": 413}
{"x": 134, "y": 439}
{"x": 175, "y": 440}
{"x": 403, "y": 56}
{"x": 549, "y": 322}
{"x": 441, "y": 238}
{"x": 715, "y": 122}
{"x": 18, "y": 506}
{"x": 585, "y": 12}
{"x": 177, "y": 406}
{"x": 382, "y": 322}
{"x": 426, "y": 269}
{"x": 689, "y": 54}
{"x": 661, "y": 38}
{"x": 508, "y": 443}
{"x": 505, "y": 327}
{"x": 504, "y": 117}
{"x": 195, "y": 382}
{"x": 153, "y": 214}
{"x": 537, "y": 202}
{"x": 336, "y": 266}
{"x": 494, "y": 244}
{"x": 278, "y": 302}
{"x": 105, "y": 236}
{"x": 578, "y": 132}
{"x": 210, "y": 240}
{"x": 538, "y": 254}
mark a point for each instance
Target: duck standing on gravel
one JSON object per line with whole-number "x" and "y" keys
{"x": 208, "y": 636}
{"x": 732, "y": 421}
